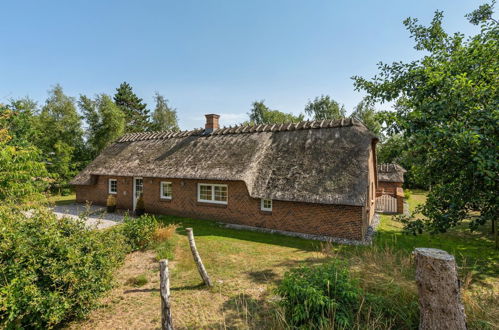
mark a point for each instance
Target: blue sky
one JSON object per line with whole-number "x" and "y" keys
{"x": 209, "y": 56}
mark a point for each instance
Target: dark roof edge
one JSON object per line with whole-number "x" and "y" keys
{"x": 248, "y": 128}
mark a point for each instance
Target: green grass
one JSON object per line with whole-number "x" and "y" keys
{"x": 138, "y": 281}
{"x": 246, "y": 266}
{"x": 62, "y": 200}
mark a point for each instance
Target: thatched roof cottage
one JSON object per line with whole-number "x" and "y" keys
{"x": 314, "y": 177}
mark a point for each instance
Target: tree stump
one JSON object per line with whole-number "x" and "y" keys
{"x": 197, "y": 258}
{"x": 164, "y": 277}
{"x": 439, "y": 298}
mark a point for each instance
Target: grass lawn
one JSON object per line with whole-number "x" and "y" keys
{"x": 246, "y": 266}
{"x": 62, "y": 200}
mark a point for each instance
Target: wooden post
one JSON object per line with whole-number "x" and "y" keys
{"x": 164, "y": 276}
{"x": 197, "y": 258}
{"x": 439, "y": 299}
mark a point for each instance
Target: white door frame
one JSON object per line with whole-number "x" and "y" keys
{"x": 134, "y": 190}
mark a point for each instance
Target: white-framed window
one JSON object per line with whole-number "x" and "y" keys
{"x": 213, "y": 193}
{"x": 113, "y": 186}
{"x": 165, "y": 190}
{"x": 266, "y": 205}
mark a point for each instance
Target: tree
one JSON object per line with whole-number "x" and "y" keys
{"x": 60, "y": 137}
{"x": 106, "y": 122}
{"x": 164, "y": 118}
{"x": 136, "y": 113}
{"x": 21, "y": 121}
{"x": 324, "y": 107}
{"x": 261, "y": 114}
{"x": 450, "y": 111}
{"x": 368, "y": 116}
{"x": 23, "y": 176}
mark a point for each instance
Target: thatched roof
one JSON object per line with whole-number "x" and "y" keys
{"x": 391, "y": 173}
{"x": 318, "y": 162}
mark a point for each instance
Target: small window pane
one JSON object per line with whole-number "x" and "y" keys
{"x": 205, "y": 192}
{"x": 221, "y": 193}
{"x": 166, "y": 189}
{"x": 113, "y": 186}
{"x": 266, "y": 204}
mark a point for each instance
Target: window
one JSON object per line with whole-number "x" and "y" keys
{"x": 165, "y": 190}
{"x": 113, "y": 186}
{"x": 213, "y": 193}
{"x": 266, "y": 205}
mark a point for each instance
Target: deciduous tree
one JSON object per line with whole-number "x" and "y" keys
{"x": 324, "y": 107}
{"x": 450, "y": 113}
{"x": 164, "y": 118}
{"x": 106, "y": 122}
{"x": 261, "y": 114}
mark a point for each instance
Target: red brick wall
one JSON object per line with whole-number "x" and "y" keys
{"x": 321, "y": 219}
{"x": 388, "y": 188}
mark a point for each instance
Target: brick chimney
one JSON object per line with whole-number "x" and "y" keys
{"x": 211, "y": 123}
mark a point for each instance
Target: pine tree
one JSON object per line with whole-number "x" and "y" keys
{"x": 164, "y": 118}
{"x": 136, "y": 112}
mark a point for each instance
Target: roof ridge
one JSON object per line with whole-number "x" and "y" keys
{"x": 243, "y": 129}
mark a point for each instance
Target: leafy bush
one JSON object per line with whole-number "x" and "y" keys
{"x": 139, "y": 231}
{"x": 320, "y": 297}
{"x": 326, "y": 296}
{"x": 52, "y": 270}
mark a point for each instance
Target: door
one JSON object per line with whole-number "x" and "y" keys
{"x": 138, "y": 189}
{"x": 386, "y": 204}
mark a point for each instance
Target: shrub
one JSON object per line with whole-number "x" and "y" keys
{"x": 139, "y": 231}
{"x": 407, "y": 194}
{"x": 52, "y": 270}
{"x": 163, "y": 233}
{"x": 319, "y": 297}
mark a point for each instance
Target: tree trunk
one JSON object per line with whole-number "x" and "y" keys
{"x": 166, "y": 315}
{"x": 197, "y": 258}
{"x": 439, "y": 299}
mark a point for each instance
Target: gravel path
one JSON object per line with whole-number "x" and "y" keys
{"x": 96, "y": 216}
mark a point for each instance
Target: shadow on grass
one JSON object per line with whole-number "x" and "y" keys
{"x": 211, "y": 228}
{"x": 262, "y": 276}
{"x": 242, "y": 311}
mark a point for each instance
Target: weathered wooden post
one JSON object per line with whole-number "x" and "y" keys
{"x": 197, "y": 258}
{"x": 164, "y": 277}
{"x": 439, "y": 299}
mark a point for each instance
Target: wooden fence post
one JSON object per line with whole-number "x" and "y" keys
{"x": 439, "y": 299}
{"x": 164, "y": 276}
{"x": 197, "y": 258}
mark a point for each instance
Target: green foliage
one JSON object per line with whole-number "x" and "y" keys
{"x": 106, "y": 122}
{"x": 326, "y": 296}
{"x": 164, "y": 118}
{"x": 368, "y": 116}
{"x": 52, "y": 270}
{"x": 139, "y": 231}
{"x": 324, "y": 107}
{"x": 320, "y": 297}
{"x": 60, "y": 137}
{"x": 448, "y": 110}
{"x": 21, "y": 121}
{"x": 23, "y": 176}
{"x": 136, "y": 113}
{"x": 261, "y": 114}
